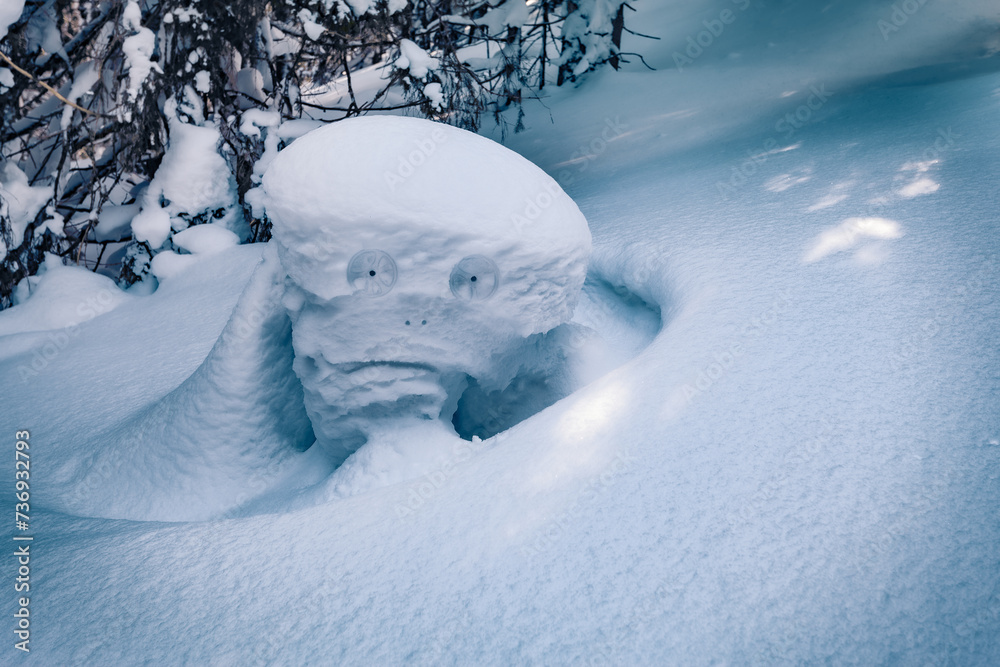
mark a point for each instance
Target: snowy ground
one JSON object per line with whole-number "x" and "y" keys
{"x": 801, "y": 467}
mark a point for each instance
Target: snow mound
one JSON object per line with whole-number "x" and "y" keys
{"x": 434, "y": 257}
{"x": 206, "y": 239}
{"x": 193, "y": 181}
{"x": 58, "y": 297}
{"x": 228, "y": 433}
{"x": 416, "y": 185}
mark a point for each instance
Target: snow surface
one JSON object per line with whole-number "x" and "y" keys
{"x": 58, "y": 297}
{"x": 435, "y": 257}
{"x": 84, "y": 78}
{"x": 802, "y": 467}
{"x": 205, "y": 239}
{"x": 199, "y": 241}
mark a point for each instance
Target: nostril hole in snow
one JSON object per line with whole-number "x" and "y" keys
{"x": 372, "y": 273}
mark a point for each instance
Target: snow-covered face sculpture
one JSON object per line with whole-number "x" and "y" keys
{"x": 418, "y": 255}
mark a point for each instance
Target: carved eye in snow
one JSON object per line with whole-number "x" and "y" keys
{"x": 475, "y": 278}
{"x": 371, "y": 273}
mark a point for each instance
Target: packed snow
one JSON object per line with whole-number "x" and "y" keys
{"x": 782, "y": 441}
{"x": 437, "y": 258}
{"x": 60, "y": 297}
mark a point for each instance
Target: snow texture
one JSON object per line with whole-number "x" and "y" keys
{"x": 243, "y": 399}
{"x": 58, "y": 297}
{"x": 436, "y": 256}
{"x": 800, "y": 468}
{"x": 84, "y": 79}
{"x": 205, "y": 239}
{"x": 152, "y": 226}
{"x": 203, "y": 82}
{"x": 312, "y": 29}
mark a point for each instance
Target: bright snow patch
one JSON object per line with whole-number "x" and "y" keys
{"x": 19, "y": 201}
{"x": 10, "y": 12}
{"x": 60, "y": 296}
{"x": 193, "y": 179}
{"x": 415, "y": 59}
{"x": 138, "y": 48}
{"x": 205, "y": 239}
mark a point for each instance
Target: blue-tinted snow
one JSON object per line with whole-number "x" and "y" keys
{"x": 802, "y": 467}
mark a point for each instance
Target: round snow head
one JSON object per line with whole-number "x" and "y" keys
{"x": 421, "y": 242}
